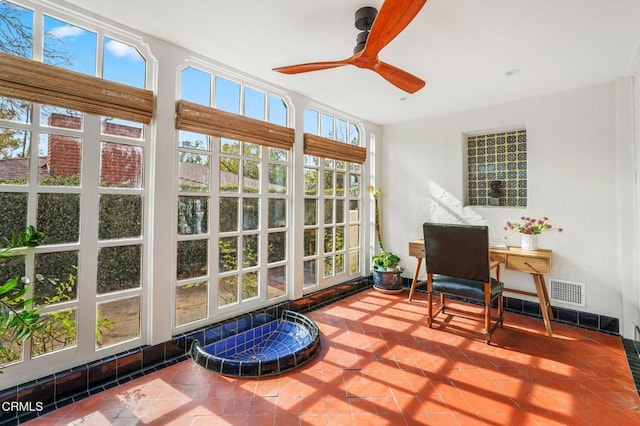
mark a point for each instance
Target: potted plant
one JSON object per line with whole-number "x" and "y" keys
{"x": 387, "y": 276}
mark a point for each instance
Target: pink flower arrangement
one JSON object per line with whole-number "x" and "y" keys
{"x": 531, "y": 225}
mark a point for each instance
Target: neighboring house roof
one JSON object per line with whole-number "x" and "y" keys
{"x": 18, "y": 168}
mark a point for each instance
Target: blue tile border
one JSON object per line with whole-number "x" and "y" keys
{"x": 69, "y": 386}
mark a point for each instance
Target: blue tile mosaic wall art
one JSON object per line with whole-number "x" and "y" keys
{"x": 497, "y": 169}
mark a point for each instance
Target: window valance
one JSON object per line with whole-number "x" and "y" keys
{"x": 210, "y": 121}
{"x": 35, "y": 81}
{"x": 323, "y": 147}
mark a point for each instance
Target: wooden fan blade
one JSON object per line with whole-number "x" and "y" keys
{"x": 399, "y": 78}
{"x": 314, "y": 66}
{"x": 393, "y": 17}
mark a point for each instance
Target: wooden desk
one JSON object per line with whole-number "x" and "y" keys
{"x": 537, "y": 263}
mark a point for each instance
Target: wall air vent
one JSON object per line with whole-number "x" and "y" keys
{"x": 567, "y": 292}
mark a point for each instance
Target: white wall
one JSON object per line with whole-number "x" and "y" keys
{"x": 573, "y": 153}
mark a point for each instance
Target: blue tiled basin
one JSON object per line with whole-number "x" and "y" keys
{"x": 270, "y": 348}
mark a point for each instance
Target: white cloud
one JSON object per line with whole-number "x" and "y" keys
{"x": 122, "y": 50}
{"x": 66, "y": 31}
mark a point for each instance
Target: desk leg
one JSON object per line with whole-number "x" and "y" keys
{"x": 415, "y": 278}
{"x": 545, "y": 305}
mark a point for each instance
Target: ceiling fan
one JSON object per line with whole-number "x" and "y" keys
{"x": 377, "y": 32}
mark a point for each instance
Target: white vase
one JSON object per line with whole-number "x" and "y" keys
{"x": 529, "y": 242}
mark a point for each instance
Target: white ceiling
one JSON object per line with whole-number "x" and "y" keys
{"x": 461, "y": 48}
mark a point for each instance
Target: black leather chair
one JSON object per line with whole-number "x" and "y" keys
{"x": 458, "y": 264}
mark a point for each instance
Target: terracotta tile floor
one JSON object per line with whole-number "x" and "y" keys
{"x": 381, "y": 365}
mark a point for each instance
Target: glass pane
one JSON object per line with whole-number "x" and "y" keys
{"x": 328, "y": 211}
{"x": 117, "y": 127}
{"x": 228, "y": 290}
{"x": 277, "y": 178}
{"x": 11, "y": 267}
{"x": 59, "y": 330}
{"x": 339, "y": 184}
{"x": 311, "y": 121}
{"x": 250, "y": 251}
{"x": 354, "y": 262}
{"x": 276, "y": 282}
{"x": 341, "y": 165}
{"x": 326, "y": 126}
{"x": 354, "y": 211}
{"x": 339, "y": 264}
{"x": 59, "y": 272}
{"x": 250, "y": 214}
{"x": 254, "y": 103}
{"x": 310, "y": 242}
{"x": 354, "y": 134}
{"x": 328, "y": 182}
{"x": 341, "y": 130}
{"x": 228, "y": 255}
{"x": 118, "y": 321}
{"x": 311, "y": 160}
{"x": 120, "y": 165}
{"x": 16, "y": 30}
{"x": 355, "y": 167}
{"x": 310, "y": 273}
{"x": 228, "y": 214}
{"x": 119, "y": 268}
{"x": 277, "y": 111}
{"x": 60, "y": 118}
{"x": 328, "y": 240}
{"x": 14, "y": 110}
{"x": 69, "y": 47}
{"x": 339, "y": 211}
{"x": 328, "y": 266}
{"x": 227, "y": 95}
{"x": 277, "y": 246}
{"x": 192, "y": 259}
{"x": 249, "y": 285}
{"x": 193, "y": 215}
{"x": 120, "y": 216}
{"x": 354, "y": 185}
{"x": 13, "y": 211}
{"x": 123, "y": 63}
{"x": 229, "y": 174}
{"x": 277, "y": 154}
{"x": 339, "y": 238}
{"x": 250, "y": 150}
{"x": 193, "y": 172}
{"x": 354, "y": 236}
{"x": 59, "y": 218}
{"x": 251, "y": 176}
{"x": 191, "y": 302}
{"x": 277, "y": 213}
{"x": 63, "y": 156}
{"x": 229, "y": 146}
{"x": 14, "y": 154}
{"x": 310, "y": 182}
{"x": 196, "y": 86}
{"x": 310, "y": 211}
{"x": 329, "y": 163}
{"x": 193, "y": 140}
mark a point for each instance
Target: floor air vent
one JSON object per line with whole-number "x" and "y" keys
{"x": 567, "y": 292}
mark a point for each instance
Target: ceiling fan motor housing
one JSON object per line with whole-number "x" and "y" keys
{"x": 364, "y": 20}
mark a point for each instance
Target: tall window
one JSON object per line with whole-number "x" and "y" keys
{"x": 332, "y": 206}
{"x": 80, "y": 179}
{"x": 232, "y": 256}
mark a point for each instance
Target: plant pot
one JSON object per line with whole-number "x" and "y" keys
{"x": 387, "y": 281}
{"x": 529, "y": 242}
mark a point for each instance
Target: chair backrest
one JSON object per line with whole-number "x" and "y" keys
{"x": 460, "y": 251}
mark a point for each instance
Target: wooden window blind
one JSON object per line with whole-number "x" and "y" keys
{"x": 34, "y": 81}
{"x": 210, "y": 121}
{"x": 323, "y": 147}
